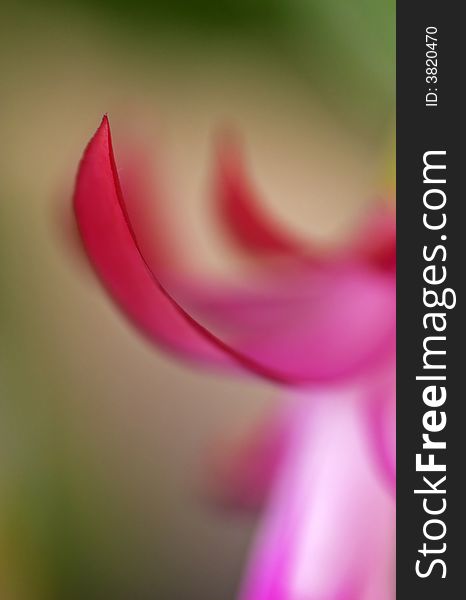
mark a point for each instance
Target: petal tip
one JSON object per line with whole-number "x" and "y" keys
{"x": 104, "y": 127}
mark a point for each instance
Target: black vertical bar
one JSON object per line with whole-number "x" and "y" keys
{"x": 431, "y": 123}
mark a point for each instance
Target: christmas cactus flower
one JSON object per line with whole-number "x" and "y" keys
{"x": 320, "y": 324}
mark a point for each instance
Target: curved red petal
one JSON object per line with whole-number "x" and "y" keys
{"x": 112, "y": 248}
{"x": 241, "y": 212}
{"x": 149, "y": 206}
{"x": 375, "y": 243}
{"x": 243, "y": 216}
{"x": 345, "y": 322}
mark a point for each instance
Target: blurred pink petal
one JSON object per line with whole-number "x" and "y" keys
{"x": 109, "y": 241}
{"x": 341, "y": 322}
{"x": 146, "y": 203}
{"x": 240, "y": 472}
{"x": 375, "y": 243}
{"x": 381, "y": 415}
{"x": 319, "y": 324}
{"x": 329, "y": 529}
{"x": 244, "y": 217}
{"x": 241, "y": 212}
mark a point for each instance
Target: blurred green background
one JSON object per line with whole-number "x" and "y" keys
{"x": 102, "y": 438}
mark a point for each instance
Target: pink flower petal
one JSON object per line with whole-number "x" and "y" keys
{"x": 243, "y": 217}
{"x": 109, "y": 241}
{"x": 329, "y": 530}
{"x": 241, "y": 212}
{"x": 375, "y": 242}
{"x": 318, "y": 323}
{"x": 343, "y": 323}
{"x": 240, "y": 472}
{"x": 147, "y": 204}
{"x": 382, "y": 427}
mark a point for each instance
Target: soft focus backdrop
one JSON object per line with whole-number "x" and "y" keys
{"x": 103, "y": 440}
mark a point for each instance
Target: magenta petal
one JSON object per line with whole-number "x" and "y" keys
{"x": 375, "y": 243}
{"x": 329, "y": 530}
{"x": 241, "y": 211}
{"x": 382, "y": 427}
{"x": 343, "y": 323}
{"x": 147, "y": 205}
{"x": 113, "y": 250}
{"x": 114, "y": 253}
{"x": 318, "y": 324}
{"x": 241, "y": 472}
{"x": 244, "y": 218}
